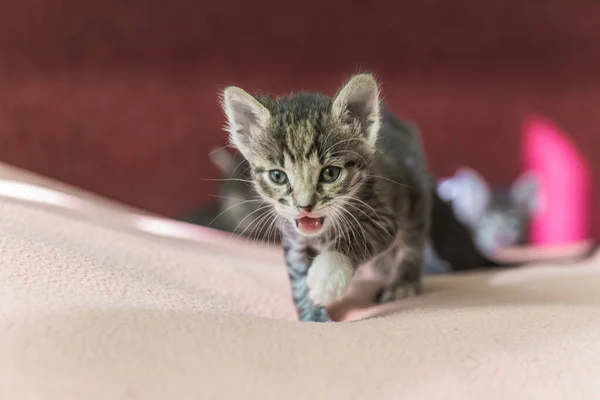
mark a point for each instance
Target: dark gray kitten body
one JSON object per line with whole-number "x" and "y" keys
{"x": 349, "y": 184}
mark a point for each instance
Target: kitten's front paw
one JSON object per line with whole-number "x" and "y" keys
{"x": 398, "y": 291}
{"x": 328, "y": 277}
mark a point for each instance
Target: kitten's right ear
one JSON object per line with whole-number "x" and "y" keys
{"x": 468, "y": 193}
{"x": 245, "y": 117}
{"x": 525, "y": 190}
{"x": 359, "y": 100}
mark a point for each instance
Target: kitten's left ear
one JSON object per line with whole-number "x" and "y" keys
{"x": 525, "y": 191}
{"x": 359, "y": 100}
{"x": 223, "y": 160}
{"x": 246, "y": 116}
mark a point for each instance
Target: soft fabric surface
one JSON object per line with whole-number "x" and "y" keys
{"x": 90, "y": 309}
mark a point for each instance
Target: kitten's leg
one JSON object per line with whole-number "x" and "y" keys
{"x": 407, "y": 256}
{"x": 405, "y": 271}
{"x": 328, "y": 277}
{"x": 433, "y": 264}
{"x": 298, "y": 260}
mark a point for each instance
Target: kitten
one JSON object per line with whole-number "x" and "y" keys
{"x": 454, "y": 242}
{"x": 496, "y": 218}
{"x": 452, "y": 245}
{"x": 349, "y": 184}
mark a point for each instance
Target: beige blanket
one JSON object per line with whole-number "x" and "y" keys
{"x": 93, "y": 308}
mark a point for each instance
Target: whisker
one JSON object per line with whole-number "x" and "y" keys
{"x": 256, "y": 222}
{"x": 226, "y": 179}
{"x": 276, "y": 229}
{"x": 265, "y": 217}
{"x": 237, "y": 166}
{"x": 363, "y": 141}
{"x": 236, "y": 205}
{"x": 264, "y": 228}
{"x": 353, "y": 231}
{"x": 227, "y": 209}
{"x": 353, "y": 152}
{"x": 339, "y": 142}
{"x": 349, "y": 230}
{"x": 370, "y": 218}
{"x": 336, "y": 228}
{"x": 217, "y": 149}
{"x": 391, "y": 180}
{"x": 233, "y": 198}
{"x": 243, "y": 219}
{"x": 327, "y": 137}
{"x": 360, "y": 229}
{"x": 350, "y": 198}
{"x": 337, "y": 219}
{"x": 273, "y": 222}
{"x": 340, "y": 227}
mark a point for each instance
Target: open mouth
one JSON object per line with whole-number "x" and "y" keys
{"x": 308, "y": 225}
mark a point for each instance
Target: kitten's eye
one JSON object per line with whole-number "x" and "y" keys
{"x": 330, "y": 174}
{"x": 278, "y": 177}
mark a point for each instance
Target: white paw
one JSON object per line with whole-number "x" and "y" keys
{"x": 328, "y": 277}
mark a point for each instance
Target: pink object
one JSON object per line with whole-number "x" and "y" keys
{"x": 564, "y": 206}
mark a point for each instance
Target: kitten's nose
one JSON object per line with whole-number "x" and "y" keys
{"x": 306, "y": 209}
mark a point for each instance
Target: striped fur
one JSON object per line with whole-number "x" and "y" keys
{"x": 379, "y": 207}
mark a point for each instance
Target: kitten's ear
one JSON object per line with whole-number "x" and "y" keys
{"x": 223, "y": 160}
{"x": 525, "y": 191}
{"x": 447, "y": 189}
{"x": 359, "y": 100}
{"x": 245, "y": 117}
{"x": 468, "y": 193}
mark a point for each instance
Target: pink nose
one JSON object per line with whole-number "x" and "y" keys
{"x": 305, "y": 209}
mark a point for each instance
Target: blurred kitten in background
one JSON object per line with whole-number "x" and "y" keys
{"x": 238, "y": 209}
{"x": 496, "y": 218}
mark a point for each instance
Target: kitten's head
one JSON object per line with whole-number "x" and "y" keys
{"x": 237, "y": 203}
{"x": 308, "y": 153}
{"x": 235, "y": 172}
{"x": 496, "y": 218}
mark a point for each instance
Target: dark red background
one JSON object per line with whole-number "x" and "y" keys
{"x": 120, "y": 97}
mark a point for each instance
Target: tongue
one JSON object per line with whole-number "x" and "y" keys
{"x": 309, "y": 225}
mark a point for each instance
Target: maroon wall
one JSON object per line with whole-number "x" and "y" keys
{"x": 120, "y": 97}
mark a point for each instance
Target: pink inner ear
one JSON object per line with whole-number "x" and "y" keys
{"x": 564, "y": 212}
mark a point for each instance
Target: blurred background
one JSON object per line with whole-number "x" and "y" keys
{"x": 120, "y": 97}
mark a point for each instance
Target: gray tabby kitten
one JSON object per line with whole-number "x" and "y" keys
{"x": 348, "y": 181}
{"x": 497, "y": 218}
